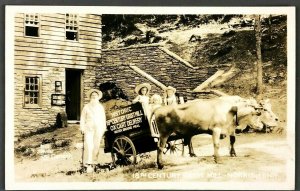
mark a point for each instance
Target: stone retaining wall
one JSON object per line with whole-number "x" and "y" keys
{"x": 153, "y": 60}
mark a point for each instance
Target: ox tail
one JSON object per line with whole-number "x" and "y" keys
{"x": 234, "y": 110}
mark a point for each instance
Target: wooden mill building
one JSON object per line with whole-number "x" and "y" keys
{"x": 55, "y": 56}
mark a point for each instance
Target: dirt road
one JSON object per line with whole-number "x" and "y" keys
{"x": 260, "y": 157}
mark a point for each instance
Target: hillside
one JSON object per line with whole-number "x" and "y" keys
{"x": 210, "y": 40}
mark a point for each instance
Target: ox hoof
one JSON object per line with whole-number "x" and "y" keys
{"x": 232, "y": 153}
{"x": 193, "y": 155}
{"x": 160, "y": 166}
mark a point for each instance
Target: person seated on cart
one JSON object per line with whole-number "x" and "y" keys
{"x": 169, "y": 96}
{"x": 155, "y": 102}
{"x": 143, "y": 96}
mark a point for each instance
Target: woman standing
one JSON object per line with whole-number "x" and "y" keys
{"x": 93, "y": 126}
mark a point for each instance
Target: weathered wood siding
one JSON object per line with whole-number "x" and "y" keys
{"x": 48, "y": 56}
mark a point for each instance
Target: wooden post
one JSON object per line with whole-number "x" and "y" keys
{"x": 259, "y": 85}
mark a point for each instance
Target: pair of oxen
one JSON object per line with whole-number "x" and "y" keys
{"x": 218, "y": 117}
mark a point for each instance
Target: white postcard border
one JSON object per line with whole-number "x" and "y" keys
{"x": 9, "y": 103}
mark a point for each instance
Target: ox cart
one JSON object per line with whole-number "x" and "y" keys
{"x": 129, "y": 134}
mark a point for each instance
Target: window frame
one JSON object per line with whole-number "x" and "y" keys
{"x": 39, "y": 102}
{"x": 69, "y": 30}
{"x": 37, "y": 26}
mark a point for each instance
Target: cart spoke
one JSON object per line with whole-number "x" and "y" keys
{"x": 178, "y": 142}
{"x": 128, "y": 161}
{"x": 126, "y": 143}
{"x": 128, "y": 149}
{"x": 121, "y": 143}
{"x": 115, "y": 148}
{"x": 118, "y": 144}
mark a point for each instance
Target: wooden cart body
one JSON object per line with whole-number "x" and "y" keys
{"x": 130, "y": 132}
{"x": 132, "y": 121}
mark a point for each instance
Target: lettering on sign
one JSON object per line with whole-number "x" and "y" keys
{"x": 125, "y": 119}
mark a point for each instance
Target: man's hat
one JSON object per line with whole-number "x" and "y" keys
{"x": 170, "y": 88}
{"x": 94, "y": 90}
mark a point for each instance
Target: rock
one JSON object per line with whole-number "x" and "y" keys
{"x": 274, "y": 75}
{"x": 130, "y": 40}
{"x": 28, "y": 152}
{"x": 195, "y": 38}
{"x": 44, "y": 122}
{"x": 149, "y": 35}
{"x": 249, "y": 53}
{"x": 281, "y": 74}
{"x": 45, "y": 147}
{"x": 228, "y": 33}
{"x": 61, "y": 143}
{"x": 69, "y": 173}
{"x": 230, "y": 59}
{"x": 158, "y": 39}
{"x": 61, "y": 120}
{"x": 46, "y": 141}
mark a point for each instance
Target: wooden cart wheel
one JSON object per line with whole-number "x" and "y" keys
{"x": 123, "y": 152}
{"x": 175, "y": 147}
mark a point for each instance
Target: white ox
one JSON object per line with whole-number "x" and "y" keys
{"x": 217, "y": 116}
{"x": 268, "y": 117}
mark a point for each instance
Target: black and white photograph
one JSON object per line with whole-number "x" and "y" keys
{"x": 149, "y": 97}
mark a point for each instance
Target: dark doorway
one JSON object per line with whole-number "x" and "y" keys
{"x": 73, "y": 93}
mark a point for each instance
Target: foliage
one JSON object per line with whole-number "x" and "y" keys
{"x": 115, "y": 26}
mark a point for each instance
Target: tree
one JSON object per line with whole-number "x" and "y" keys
{"x": 259, "y": 84}
{"x": 270, "y": 28}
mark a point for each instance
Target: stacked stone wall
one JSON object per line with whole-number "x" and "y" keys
{"x": 155, "y": 62}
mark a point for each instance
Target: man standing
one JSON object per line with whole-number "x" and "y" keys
{"x": 93, "y": 126}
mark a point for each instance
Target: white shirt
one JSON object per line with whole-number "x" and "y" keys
{"x": 93, "y": 117}
{"x": 141, "y": 98}
{"x": 170, "y": 100}
{"x": 145, "y": 103}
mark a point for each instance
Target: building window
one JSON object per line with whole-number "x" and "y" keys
{"x": 32, "y": 25}
{"x": 71, "y": 27}
{"x": 32, "y": 91}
